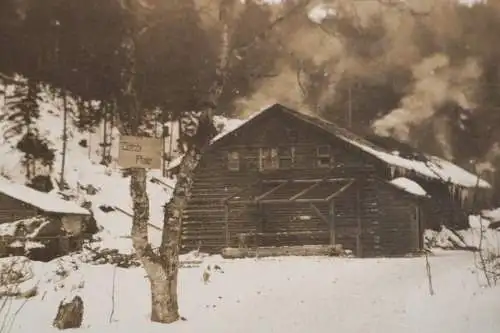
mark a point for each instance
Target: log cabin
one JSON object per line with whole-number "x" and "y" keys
{"x": 286, "y": 178}
{"x": 19, "y": 202}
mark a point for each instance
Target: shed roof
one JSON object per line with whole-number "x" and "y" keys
{"x": 44, "y": 201}
{"x": 429, "y": 166}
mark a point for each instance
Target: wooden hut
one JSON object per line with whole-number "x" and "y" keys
{"x": 19, "y": 202}
{"x": 286, "y": 178}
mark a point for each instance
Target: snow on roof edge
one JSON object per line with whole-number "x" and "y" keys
{"x": 430, "y": 170}
{"x": 41, "y": 200}
{"x": 243, "y": 122}
{"x": 409, "y": 186}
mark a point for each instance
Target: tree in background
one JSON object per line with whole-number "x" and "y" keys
{"x": 20, "y": 118}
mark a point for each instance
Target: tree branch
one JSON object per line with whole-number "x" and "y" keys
{"x": 10, "y": 80}
{"x": 403, "y": 6}
{"x": 263, "y": 34}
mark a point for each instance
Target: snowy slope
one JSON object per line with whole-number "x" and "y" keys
{"x": 252, "y": 295}
{"x": 283, "y": 295}
{"x": 83, "y": 169}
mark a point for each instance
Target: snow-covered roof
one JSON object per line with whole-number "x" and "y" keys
{"x": 492, "y": 214}
{"x": 434, "y": 167}
{"x": 44, "y": 201}
{"x": 409, "y": 186}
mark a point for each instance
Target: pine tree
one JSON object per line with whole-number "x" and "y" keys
{"x": 21, "y": 115}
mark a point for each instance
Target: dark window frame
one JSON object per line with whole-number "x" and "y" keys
{"x": 324, "y": 159}
{"x": 268, "y": 158}
{"x": 286, "y": 155}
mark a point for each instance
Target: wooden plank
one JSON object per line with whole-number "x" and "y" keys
{"x": 359, "y": 246}
{"x": 291, "y": 233}
{"x": 315, "y": 180}
{"x": 319, "y": 214}
{"x": 331, "y": 216}
{"x": 226, "y": 199}
{"x": 339, "y": 192}
{"x": 302, "y": 250}
{"x": 271, "y": 191}
{"x": 226, "y": 220}
{"x": 301, "y": 193}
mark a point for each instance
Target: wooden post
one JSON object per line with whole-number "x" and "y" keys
{"x": 418, "y": 221}
{"x": 261, "y": 226}
{"x": 226, "y": 221}
{"x": 331, "y": 216}
{"x": 359, "y": 245}
{"x": 349, "y": 108}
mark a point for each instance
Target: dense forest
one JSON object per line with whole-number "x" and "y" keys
{"x": 363, "y": 61}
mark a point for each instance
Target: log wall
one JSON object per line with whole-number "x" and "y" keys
{"x": 12, "y": 210}
{"x": 358, "y": 213}
{"x": 400, "y": 230}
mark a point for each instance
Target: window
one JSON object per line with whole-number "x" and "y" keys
{"x": 286, "y": 157}
{"x": 252, "y": 162}
{"x": 233, "y": 161}
{"x": 277, "y": 158}
{"x": 292, "y": 135}
{"x": 269, "y": 159}
{"x": 323, "y": 156}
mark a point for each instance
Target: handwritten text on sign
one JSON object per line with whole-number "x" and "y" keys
{"x": 140, "y": 152}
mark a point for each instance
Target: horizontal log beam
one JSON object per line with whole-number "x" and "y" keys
{"x": 301, "y": 250}
{"x": 270, "y": 181}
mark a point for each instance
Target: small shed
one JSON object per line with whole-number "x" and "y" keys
{"x": 19, "y": 202}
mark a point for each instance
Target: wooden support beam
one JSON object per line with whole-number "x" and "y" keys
{"x": 302, "y": 250}
{"x": 261, "y": 227}
{"x": 310, "y": 200}
{"x": 339, "y": 192}
{"x": 331, "y": 217}
{"x": 301, "y": 193}
{"x": 270, "y": 181}
{"x": 226, "y": 224}
{"x": 319, "y": 214}
{"x": 285, "y": 201}
{"x": 274, "y": 189}
{"x": 226, "y": 199}
{"x": 359, "y": 239}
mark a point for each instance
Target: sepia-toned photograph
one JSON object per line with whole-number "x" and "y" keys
{"x": 252, "y": 166}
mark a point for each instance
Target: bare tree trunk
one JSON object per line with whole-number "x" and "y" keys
{"x": 164, "y": 307}
{"x": 64, "y": 137}
{"x": 163, "y": 290}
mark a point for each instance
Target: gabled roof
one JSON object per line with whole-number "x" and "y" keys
{"x": 430, "y": 166}
{"x": 44, "y": 201}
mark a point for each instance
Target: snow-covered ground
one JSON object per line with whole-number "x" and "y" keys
{"x": 83, "y": 168}
{"x": 281, "y": 295}
{"x": 252, "y": 295}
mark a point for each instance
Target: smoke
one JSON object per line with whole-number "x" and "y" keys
{"x": 282, "y": 88}
{"x": 301, "y": 46}
{"x": 368, "y": 41}
{"x": 319, "y": 37}
{"x": 435, "y": 81}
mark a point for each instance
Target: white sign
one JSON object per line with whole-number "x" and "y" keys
{"x": 140, "y": 152}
